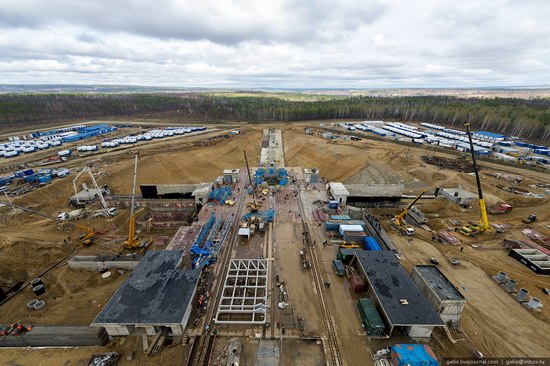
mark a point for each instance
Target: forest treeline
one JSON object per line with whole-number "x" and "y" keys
{"x": 526, "y": 118}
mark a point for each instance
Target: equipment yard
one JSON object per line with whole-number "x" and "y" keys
{"x": 254, "y": 241}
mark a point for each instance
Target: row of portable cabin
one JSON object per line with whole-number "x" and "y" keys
{"x": 150, "y": 135}
{"x": 15, "y": 148}
{"x": 30, "y": 176}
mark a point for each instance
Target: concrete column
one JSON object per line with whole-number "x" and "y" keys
{"x": 145, "y": 341}
{"x": 150, "y": 330}
{"x": 177, "y": 330}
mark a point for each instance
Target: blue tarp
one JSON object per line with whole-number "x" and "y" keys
{"x": 371, "y": 244}
{"x": 413, "y": 355}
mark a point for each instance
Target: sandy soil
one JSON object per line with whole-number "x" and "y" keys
{"x": 505, "y": 328}
{"x": 79, "y": 356}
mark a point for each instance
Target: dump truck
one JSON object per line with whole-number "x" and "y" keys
{"x": 500, "y": 209}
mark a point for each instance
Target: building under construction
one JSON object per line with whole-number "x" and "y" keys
{"x": 396, "y": 296}
{"x": 374, "y": 195}
{"x": 157, "y": 295}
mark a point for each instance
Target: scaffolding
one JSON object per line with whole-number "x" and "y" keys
{"x": 222, "y": 194}
{"x": 244, "y": 295}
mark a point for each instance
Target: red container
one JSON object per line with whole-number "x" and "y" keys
{"x": 357, "y": 284}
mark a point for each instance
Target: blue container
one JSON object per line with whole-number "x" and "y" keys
{"x": 20, "y": 174}
{"x": 371, "y": 244}
{"x": 29, "y": 178}
{"x": 28, "y": 172}
{"x": 4, "y": 181}
{"x": 332, "y": 225}
{"x": 44, "y": 178}
{"x": 333, "y": 204}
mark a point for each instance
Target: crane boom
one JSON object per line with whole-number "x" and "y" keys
{"x": 132, "y": 242}
{"x": 253, "y": 205}
{"x": 84, "y": 238}
{"x": 484, "y": 222}
{"x": 399, "y": 218}
{"x": 96, "y": 187}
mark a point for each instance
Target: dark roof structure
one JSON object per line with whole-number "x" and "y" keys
{"x": 394, "y": 290}
{"x": 155, "y": 293}
{"x": 440, "y": 284}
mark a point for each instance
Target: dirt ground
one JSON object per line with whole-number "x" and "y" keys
{"x": 496, "y": 324}
{"x": 79, "y": 356}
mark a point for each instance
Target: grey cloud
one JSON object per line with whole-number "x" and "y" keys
{"x": 295, "y": 21}
{"x": 295, "y": 43}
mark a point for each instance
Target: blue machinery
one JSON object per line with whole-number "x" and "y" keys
{"x": 267, "y": 215}
{"x": 217, "y": 228}
{"x": 270, "y": 175}
{"x": 222, "y": 194}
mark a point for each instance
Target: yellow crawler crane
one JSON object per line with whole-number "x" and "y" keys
{"x": 132, "y": 242}
{"x": 484, "y": 221}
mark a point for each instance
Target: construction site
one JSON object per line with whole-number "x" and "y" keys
{"x": 270, "y": 245}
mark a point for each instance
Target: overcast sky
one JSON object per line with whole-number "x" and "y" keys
{"x": 278, "y": 44}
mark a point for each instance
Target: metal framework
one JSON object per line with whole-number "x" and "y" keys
{"x": 244, "y": 295}
{"x": 96, "y": 187}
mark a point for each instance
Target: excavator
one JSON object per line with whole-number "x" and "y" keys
{"x": 254, "y": 204}
{"x": 484, "y": 221}
{"x": 86, "y": 238}
{"x": 399, "y": 221}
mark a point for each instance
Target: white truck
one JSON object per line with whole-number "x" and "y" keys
{"x": 71, "y": 215}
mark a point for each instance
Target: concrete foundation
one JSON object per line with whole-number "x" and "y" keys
{"x": 95, "y": 262}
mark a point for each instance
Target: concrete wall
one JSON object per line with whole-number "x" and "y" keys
{"x": 90, "y": 263}
{"x": 451, "y": 310}
{"x": 419, "y": 332}
{"x": 375, "y": 190}
{"x": 186, "y": 205}
{"x": 460, "y": 199}
{"x": 119, "y": 330}
{"x": 341, "y": 199}
{"x": 448, "y": 310}
{"x": 57, "y": 336}
{"x": 374, "y": 229}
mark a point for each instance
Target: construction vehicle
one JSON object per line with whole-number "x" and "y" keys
{"x": 15, "y": 329}
{"x": 468, "y": 231}
{"x": 484, "y": 221}
{"x": 399, "y": 221}
{"x": 500, "y": 209}
{"x": 404, "y": 230}
{"x": 531, "y": 219}
{"x": 132, "y": 242}
{"x": 349, "y": 245}
{"x": 71, "y": 215}
{"x": 105, "y": 211}
{"x": 85, "y": 238}
{"x": 254, "y": 204}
